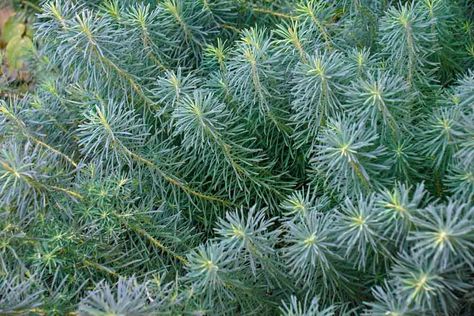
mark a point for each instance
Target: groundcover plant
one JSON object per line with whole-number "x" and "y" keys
{"x": 199, "y": 157}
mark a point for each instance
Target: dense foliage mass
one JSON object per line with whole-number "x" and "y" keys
{"x": 309, "y": 157}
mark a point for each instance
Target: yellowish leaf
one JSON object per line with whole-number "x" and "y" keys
{"x": 17, "y": 52}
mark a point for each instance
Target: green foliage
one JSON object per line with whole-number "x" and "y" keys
{"x": 223, "y": 157}
{"x": 295, "y": 308}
